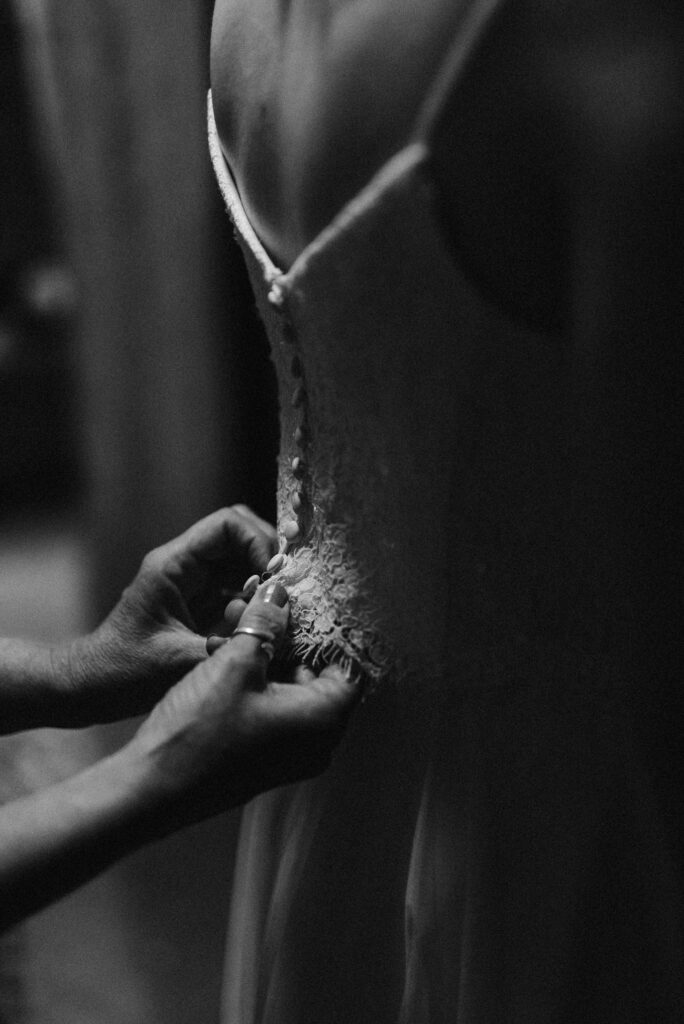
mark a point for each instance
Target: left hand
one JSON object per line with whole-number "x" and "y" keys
{"x": 157, "y": 632}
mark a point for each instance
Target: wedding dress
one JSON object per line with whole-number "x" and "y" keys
{"x": 487, "y": 846}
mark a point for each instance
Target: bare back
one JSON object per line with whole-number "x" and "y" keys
{"x": 563, "y": 101}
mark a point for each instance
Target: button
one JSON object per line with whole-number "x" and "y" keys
{"x": 298, "y": 396}
{"x": 291, "y": 530}
{"x": 276, "y": 562}
{"x": 298, "y": 467}
{"x": 250, "y": 585}
{"x": 276, "y": 295}
{"x": 300, "y": 436}
{"x": 297, "y": 501}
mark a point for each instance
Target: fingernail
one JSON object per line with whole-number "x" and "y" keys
{"x": 273, "y": 593}
{"x": 250, "y": 585}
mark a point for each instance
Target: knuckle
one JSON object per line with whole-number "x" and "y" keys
{"x": 153, "y": 561}
{"x": 223, "y": 520}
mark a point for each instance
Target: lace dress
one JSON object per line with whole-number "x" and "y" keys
{"x": 488, "y": 846}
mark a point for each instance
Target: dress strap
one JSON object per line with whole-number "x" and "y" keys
{"x": 465, "y": 46}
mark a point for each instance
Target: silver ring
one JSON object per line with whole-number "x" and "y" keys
{"x": 267, "y": 646}
{"x": 261, "y": 634}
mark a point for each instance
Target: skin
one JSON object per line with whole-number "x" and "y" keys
{"x": 219, "y": 731}
{"x": 558, "y": 171}
{"x": 565, "y": 103}
{"x": 326, "y": 72}
{"x": 154, "y": 635}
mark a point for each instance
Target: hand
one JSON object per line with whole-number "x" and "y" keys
{"x": 157, "y": 631}
{"x": 225, "y": 732}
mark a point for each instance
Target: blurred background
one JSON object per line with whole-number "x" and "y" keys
{"x": 136, "y": 395}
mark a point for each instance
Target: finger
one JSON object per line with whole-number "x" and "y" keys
{"x": 258, "y": 522}
{"x": 257, "y": 539}
{"x": 302, "y": 675}
{"x": 323, "y": 703}
{"x": 224, "y": 534}
{"x": 233, "y": 613}
{"x": 264, "y": 621}
{"x": 221, "y": 631}
{"x": 335, "y": 687}
{"x": 249, "y": 587}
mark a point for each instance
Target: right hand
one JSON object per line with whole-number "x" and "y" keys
{"x": 226, "y": 733}
{"x": 157, "y": 632}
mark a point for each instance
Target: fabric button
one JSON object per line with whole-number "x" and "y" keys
{"x": 251, "y": 584}
{"x": 298, "y": 467}
{"x": 276, "y": 295}
{"x": 291, "y": 530}
{"x": 276, "y": 562}
{"x": 300, "y": 436}
{"x": 298, "y": 396}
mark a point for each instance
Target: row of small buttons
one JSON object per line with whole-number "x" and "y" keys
{"x": 292, "y": 529}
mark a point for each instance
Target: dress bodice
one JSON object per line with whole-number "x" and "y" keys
{"x": 425, "y": 502}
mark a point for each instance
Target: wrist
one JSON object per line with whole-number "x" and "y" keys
{"x": 168, "y": 789}
{"x": 72, "y": 664}
{"x": 94, "y": 678}
{"x": 189, "y": 775}
{"x": 33, "y": 684}
{"x": 140, "y": 807}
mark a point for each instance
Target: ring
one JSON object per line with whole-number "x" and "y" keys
{"x": 267, "y": 638}
{"x": 262, "y": 634}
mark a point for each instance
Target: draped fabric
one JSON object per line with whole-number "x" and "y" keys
{"x": 490, "y": 843}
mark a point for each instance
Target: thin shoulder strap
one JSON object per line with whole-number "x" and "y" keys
{"x": 468, "y": 37}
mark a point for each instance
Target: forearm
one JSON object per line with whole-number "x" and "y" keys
{"x": 33, "y": 685}
{"x": 55, "y": 840}
{"x": 74, "y": 684}
{"x": 219, "y": 737}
